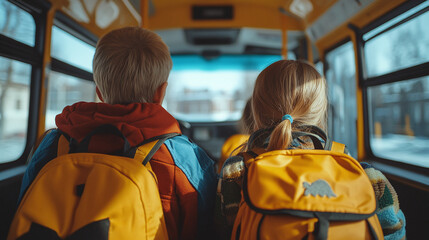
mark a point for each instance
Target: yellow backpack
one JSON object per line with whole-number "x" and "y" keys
{"x": 93, "y": 196}
{"x": 306, "y": 194}
{"x": 231, "y": 147}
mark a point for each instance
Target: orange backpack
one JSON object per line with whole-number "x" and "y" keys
{"x": 306, "y": 194}
{"x": 83, "y": 195}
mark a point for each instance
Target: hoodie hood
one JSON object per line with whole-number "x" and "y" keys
{"x": 137, "y": 121}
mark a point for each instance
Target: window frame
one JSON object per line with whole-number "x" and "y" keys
{"x": 73, "y": 28}
{"x": 21, "y": 52}
{"x": 325, "y": 64}
{"x": 411, "y": 174}
{"x": 15, "y": 50}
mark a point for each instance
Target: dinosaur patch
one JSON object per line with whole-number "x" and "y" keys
{"x": 319, "y": 187}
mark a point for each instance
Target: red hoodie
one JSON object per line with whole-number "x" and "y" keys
{"x": 140, "y": 121}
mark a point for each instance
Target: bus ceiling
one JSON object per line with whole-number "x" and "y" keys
{"x": 233, "y": 26}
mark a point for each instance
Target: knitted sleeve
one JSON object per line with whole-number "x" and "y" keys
{"x": 391, "y": 217}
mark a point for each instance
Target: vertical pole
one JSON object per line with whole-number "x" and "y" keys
{"x": 45, "y": 70}
{"x": 284, "y": 37}
{"x": 144, "y": 13}
{"x": 362, "y": 109}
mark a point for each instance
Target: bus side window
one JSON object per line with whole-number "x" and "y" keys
{"x": 342, "y": 112}
{"x": 15, "y": 80}
{"x": 65, "y": 90}
{"x": 398, "y": 99}
{"x": 66, "y": 86}
{"x": 17, "y": 24}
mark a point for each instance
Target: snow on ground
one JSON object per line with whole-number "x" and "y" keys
{"x": 402, "y": 148}
{"x": 11, "y": 148}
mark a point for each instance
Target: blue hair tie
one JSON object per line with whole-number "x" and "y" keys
{"x": 287, "y": 117}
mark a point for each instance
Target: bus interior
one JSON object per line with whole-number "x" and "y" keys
{"x": 374, "y": 55}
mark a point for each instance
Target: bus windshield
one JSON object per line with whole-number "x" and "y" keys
{"x": 212, "y": 90}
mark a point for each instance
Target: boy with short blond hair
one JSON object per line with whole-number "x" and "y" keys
{"x": 131, "y": 67}
{"x": 139, "y": 57}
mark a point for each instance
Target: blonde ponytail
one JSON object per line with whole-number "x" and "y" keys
{"x": 281, "y": 136}
{"x": 293, "y": 88}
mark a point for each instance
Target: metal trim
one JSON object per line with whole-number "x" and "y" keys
{"x": 68, "y": 69}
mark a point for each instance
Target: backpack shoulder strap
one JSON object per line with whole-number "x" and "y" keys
{"x": 63, "y": 146}
{"x": 36, "y": 145}
{"x": 336, "y": 147}
{"x": 149, "y": 147}
{"x": 146, "y": 149}
{"x": 317, "y": 136}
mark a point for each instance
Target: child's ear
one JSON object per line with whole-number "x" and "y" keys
{"x": 99, "y": 94}
{"x": 160, "y": 93}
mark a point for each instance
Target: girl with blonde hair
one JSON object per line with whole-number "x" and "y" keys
{"x": 286, "y": 92}
{"x": 290, "y": 97}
